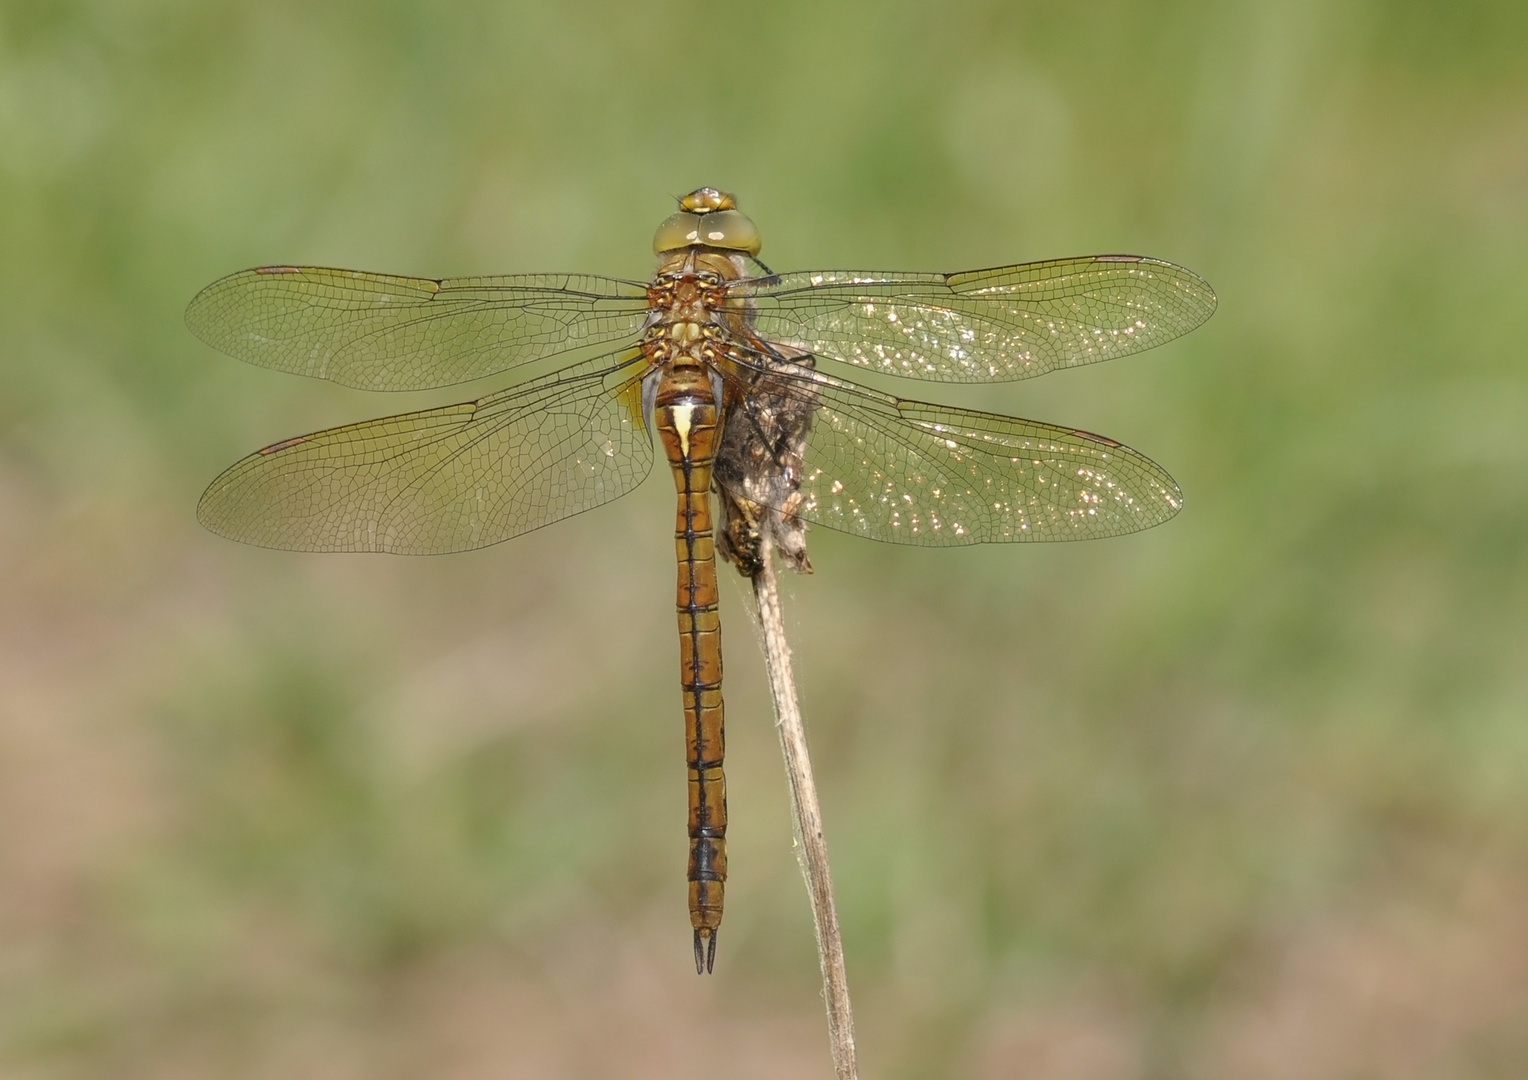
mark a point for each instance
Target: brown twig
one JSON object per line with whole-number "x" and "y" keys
{"x": 813, "y": 849}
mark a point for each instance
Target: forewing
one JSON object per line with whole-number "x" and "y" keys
{"x": 1012, "y": 322}
{"x": 383, "y": 332}
{"x": 907, "y": 472}
{"x": 448, "y": 479}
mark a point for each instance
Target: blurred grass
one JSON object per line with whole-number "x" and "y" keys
{"x": 1240, "y": 797}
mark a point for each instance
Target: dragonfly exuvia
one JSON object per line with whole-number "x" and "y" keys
{"x": 732, "y": 366}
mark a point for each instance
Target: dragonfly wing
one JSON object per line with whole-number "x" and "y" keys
{"x": 1011, "y": 322}
{"x": 384, "y": 332}
{"x": 907, "y": 472}
{"x": 447, "y": 479}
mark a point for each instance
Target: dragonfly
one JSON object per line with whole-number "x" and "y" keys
{"x": 740, "y": 373}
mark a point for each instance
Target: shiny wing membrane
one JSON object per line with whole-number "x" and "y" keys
{"x": 908, "y": 472}
{"x": 447, "y": 479}
{"x": 385, "y": 332}
{"x": 1011, "y": 322}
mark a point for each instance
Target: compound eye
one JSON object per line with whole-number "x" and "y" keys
{"x": 679, "y": 230}
{"x": 728, "y": 230}
{"x": 731, "y": 230}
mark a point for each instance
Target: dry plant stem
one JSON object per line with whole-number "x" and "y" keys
{"x": 814, "y": 850}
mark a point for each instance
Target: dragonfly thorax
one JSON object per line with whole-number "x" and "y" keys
{"x": 683, "y": 321}
{"x": 689, "y": 303}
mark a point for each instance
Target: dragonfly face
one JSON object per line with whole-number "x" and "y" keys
{"x": 722, "y": 364}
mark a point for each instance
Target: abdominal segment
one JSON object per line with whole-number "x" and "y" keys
{"x": 686, "y": 415}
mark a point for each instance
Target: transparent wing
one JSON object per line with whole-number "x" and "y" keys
{"x": 448, "y": 479}
{"x": 907, "y": 472}
{"x": 1012, "y": 322}
{"x": 383, "y": 332}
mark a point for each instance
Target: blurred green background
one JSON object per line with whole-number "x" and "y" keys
{"x": 1242, "y": 797}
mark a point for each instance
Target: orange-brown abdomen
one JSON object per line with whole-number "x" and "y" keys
{"x": 688, "y": 417}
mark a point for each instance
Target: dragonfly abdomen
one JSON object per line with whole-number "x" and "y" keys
{"x": 686, "y": 414}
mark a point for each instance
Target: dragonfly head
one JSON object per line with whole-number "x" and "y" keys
{"x": 708, "y": 218}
